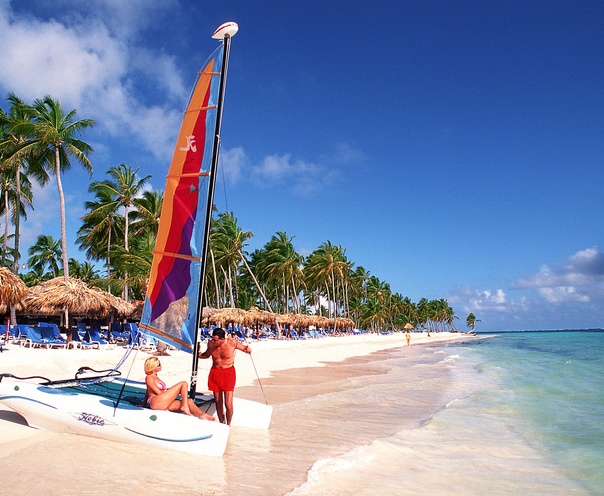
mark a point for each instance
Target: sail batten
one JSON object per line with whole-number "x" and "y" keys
{"x": 200, "y": 108}
{"x": 171, "y": 304}
{"x": 177, "y": 255}
{"x": 192, "y": 174}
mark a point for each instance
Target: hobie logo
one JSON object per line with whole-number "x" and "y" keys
{"x": 91, "y": 419}
{"x": 190, "y": 145}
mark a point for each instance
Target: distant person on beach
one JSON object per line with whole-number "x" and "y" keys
{"x": 222, "y": 377}
{"x": 408, "y": 338}
{"x": 161, "y": 397}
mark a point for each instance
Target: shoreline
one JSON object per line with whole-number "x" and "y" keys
{"x": 289, "y": 371}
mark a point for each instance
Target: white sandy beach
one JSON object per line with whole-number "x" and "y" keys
{"x": 268, "y": 357}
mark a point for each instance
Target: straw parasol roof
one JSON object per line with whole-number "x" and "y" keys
{"x": 117, "y": 305}
{"x": 228, "y": 315}
{"x": 257, "y": 316}
{"x": 12, "y": 288}
{"x": 285, "y": 319}
{"x": 207, "y": 312}
{"x": 322, "y": 321}
{"x": 53, "y": 296}
{"x": 343, "y": 322}
{"x": 408, "y": 326}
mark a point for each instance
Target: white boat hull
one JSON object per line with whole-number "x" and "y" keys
{"x": 93, "y": 415}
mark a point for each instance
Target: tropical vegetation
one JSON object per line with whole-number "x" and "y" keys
{"x": 120, "y": 225}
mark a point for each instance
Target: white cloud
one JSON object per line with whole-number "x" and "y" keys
{"x": 345, "y": 153}
{"x": 474, "y": 300}
{"x": 580, "y": 278}
{"x": 86, "y": 65}
{"x": 563, "y": 294}
{"x": 588, "y": 262}
{"x": 573, "y": 290}
{"x": 302, "y": 177}
{"x": 233, "y": 161}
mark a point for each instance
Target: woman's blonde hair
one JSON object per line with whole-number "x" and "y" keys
{"x": 151, "y": 365}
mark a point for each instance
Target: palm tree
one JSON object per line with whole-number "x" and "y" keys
{"x": 147, "y": 213}
{"x": 18, "y": 162}
{"x": 471, "y": 321}
{"x": 35, "y": 276}
{"x": 228, "y": 241}
{"x": 45, "y": 253}
{"x": 121, "y": 191}
{"x": 55, "y": 136}
{"x": 135, "y": 263}
{"x": 327, "y": 268}
{"x": 12, "y": 206}
{"x": 101, "y": 226}
{"x": 84, "y": 271}
{"x": 283, "y": 266}
{"x": 123, "y": 187}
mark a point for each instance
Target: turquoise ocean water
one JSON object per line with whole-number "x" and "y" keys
{"x": 520, "y": 413}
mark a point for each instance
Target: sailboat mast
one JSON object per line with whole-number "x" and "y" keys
{"x": 206, "y": 235}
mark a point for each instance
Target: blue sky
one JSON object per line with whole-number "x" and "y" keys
{"x": 455, "y": 149}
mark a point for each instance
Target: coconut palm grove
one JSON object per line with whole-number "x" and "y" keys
{"x": 118, "y": 230}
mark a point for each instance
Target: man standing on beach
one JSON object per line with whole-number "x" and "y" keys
{"x": 222, "y": 377}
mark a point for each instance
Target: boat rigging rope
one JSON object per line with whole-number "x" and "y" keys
{"x": 128, "y": 351}
{"x": 258, "y": 377}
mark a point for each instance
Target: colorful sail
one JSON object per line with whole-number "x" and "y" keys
{"x": 170, "y": 310}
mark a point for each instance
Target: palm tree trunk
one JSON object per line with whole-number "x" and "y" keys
{"x": 109, "y": 253}
{"x": 231, "y": 297}
{"x": 126, "y": 225}
{"x": 215, "y": 276}
{"x": 268, "y": 305}
{"x": 6, "y": 221}
{"x": 63, "y": 226}
{"x": 17, "y": 215}
{"x": 62, "y": 208}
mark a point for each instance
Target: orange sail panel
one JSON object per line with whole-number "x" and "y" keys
{"x": 170, "y": 307}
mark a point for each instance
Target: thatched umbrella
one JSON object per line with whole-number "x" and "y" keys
{"x": 344, "y": 323}
{"x": 54, "y": 296}
{"x": 12, "y": 289}
{"x": 408, "y": 326}
{"x": 301, "y": 321}
{"x": 118, "y": 306}
{"x": 321, "y": 321}
{"x": 256, "y": 316}
{"x": 228, "y": 315}
{"x": 137, "y": 313}
{"x": 207, "y": 312}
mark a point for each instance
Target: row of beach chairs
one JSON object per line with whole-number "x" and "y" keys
{"x": 47, "y": 335}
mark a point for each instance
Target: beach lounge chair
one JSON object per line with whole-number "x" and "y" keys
{"x": 50, "y": 333}
{"x": 32, "y": 338}
{"x": 78, "y": 342}
{"x": 117, "y": 333}
{"x": 131, "y": 328}
{"x": 13, "y": 334}
{"x": 54, "y": 333}
{"x": 92, "y": 336}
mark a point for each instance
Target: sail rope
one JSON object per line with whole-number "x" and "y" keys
{"x": 258, "y": 377}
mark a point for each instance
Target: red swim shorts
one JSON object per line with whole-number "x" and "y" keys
{"x": 220, "y": 380}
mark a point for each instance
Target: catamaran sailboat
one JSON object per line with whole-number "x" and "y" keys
{"x": 108, "y": 406}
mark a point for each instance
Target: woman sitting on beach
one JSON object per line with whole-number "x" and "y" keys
{"x": 161, "y": 397}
